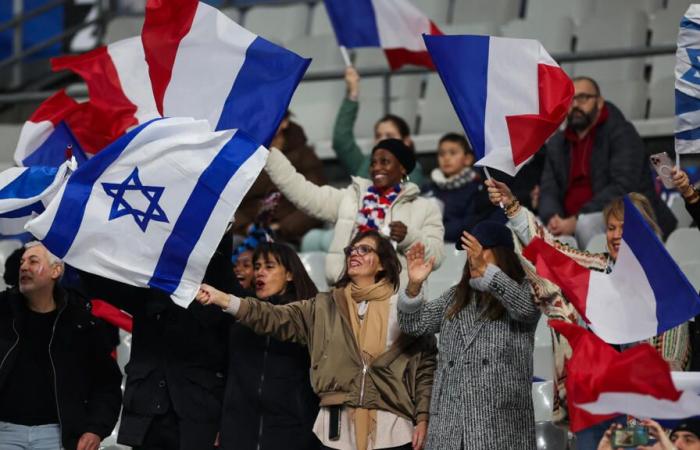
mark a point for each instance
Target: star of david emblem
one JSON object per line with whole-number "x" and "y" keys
{"x": 692, "y": 75}
{"x": 120, "y": 207}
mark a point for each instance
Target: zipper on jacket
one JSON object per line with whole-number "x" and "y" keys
{"x": 260, "y": 391}
{"x": 14, "y": 328}
{"x": 53, "y": 369}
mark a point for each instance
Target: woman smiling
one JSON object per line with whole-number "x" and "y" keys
{"x": 374, "y": 382}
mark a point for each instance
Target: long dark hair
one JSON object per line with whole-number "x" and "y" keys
{"x": 385, "y": 253}
{"x": 301, "y": 287}
{"x": 508, "y": 262}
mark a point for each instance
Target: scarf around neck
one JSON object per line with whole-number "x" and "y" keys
{"x": 374, "y": 207}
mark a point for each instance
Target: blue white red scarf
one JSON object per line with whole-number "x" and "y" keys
{"x": 374, "y": 207}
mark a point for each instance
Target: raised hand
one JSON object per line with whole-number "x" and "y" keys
{"x": 208, "y": 295}
{"x": 352, "y": 82}
{"x": 499, "y": 193}
{"x": 418, "y": 267}
{"x": 475, "y": 255}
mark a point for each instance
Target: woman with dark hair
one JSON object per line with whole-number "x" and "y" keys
{"x": 374, "y": 382}
{"x": 482, "y": 396}
{"x": 387, "y": 203}
{"x": 388, "y": 127}
{"x": 269, "y": 403}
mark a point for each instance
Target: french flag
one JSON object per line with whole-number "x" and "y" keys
{"x": 45, "y": 137}
{"x": 645, "y": 294}
{"x": 509, "y": 94}
{"x": 602, "y": 382}
{"x": 396, "y": 26}
{"x": 204, "y": 65}
{"x": 119, "y": 88}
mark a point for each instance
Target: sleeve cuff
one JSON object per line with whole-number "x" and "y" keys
{"x": 408, "y": 304}
{"x": 234, "y": 304}
{"x": 482, "y": 283}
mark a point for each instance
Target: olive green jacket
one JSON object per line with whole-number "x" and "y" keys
{"x": 399, "y": 381}
{"x": 349, "y": 153}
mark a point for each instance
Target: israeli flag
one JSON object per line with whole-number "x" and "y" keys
{"x": 24, "y": 192}
{"x": 151, "y": 208}
{"x": 688, "y": 82}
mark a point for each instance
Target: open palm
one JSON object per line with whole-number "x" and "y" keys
{"x": 418, "y": 267}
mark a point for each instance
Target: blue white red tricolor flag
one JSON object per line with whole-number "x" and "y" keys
{"x": 24, "y": 194}
{"x": 645, "y": 294}
{"x": 602, "y": 382}
{"x": 169, "y": 188}
{"x": 46, "y": 135}
{"x": 688, "y": 82}
{"x": 396, "y": 26}
{"x": 509, "y": 94}
{"x": 204, "y": 65}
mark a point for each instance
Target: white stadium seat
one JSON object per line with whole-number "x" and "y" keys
{"x": 664, "y": 31}
{"x": 622, "y": 7}
{"x": 612, "y": 32}
{"x": 278, "y": 24}
{"x": 481, "y": 28}
{"x": 123, "y": 27}
{"x": 436, "y": 10}
{"x": 677, "y": 206}
{"x": 578, "y": 10}
{"x": 496, "y": 11}
{"x": 692, "y": 271}
{"x": 322, "y": 49}
{"x": 315, "y": 105}
{"x": 661, "y": 97}
{"x": 556, "y": 35}
{"x": 543, "y": 361}
{"x": 597, "y": 244}
{"x": 320, "y": 23}
{"x": 630, "y": 96}
{"x": 437, "y": 114}
{"x": 684, "y": 245}
{"x": 679, "y": 7}
{"x": 370, "y": 59}
{"x": 315, "y": 265}
{"x": 232, "y": 13}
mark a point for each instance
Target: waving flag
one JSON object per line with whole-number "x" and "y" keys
{"x": 688, "y": 82}
{"x": 118, "y": 85}
{"x": 24, "y": 192}
{"x": 204, "y": 65}
{"x": 645, "y": 294}
{"x": 46, "y": 135}
{"x": 168, "y": 188}
{"x": 396, "y": 26}
{"x": 509, "y": 94}
{"x": 602, "y": 382}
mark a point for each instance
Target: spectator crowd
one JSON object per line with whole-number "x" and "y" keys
{"x": 261, "y": 360}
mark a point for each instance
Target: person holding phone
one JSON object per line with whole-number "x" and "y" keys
{"x": 685, "y": 436}
{"x": 374, "y": 382}
{"x": 689, "y": 193}
{"x": 482, "y": 396}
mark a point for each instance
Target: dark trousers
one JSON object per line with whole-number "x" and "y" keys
{"x": 168, "y": 432}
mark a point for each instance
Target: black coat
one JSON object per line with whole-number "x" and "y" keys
{"x": 694, "y": 210}
{"x": 178, "y": 357}
{"x": 619, "y": 165}
{"x": 87, "y": 378}
{"x": 269, "y": 403}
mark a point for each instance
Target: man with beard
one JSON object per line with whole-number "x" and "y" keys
{"x": 599, "y": 156}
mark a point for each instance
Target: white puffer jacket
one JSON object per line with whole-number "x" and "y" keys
{"x": 340, "y": 206}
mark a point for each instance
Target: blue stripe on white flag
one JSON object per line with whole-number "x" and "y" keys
{"x": 196, "y": 212}
{"x": 66, "y": 223}
{"x": 259, "y": 96}
{"x": 689, "y": 24}
{"x": 32, "y": 182}
{"x": 676, "y": 299}
{"x": 25, "y": 211}
{"x": 52, "y": 152}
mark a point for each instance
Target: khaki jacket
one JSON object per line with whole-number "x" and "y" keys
{"x": 399, "y": 381}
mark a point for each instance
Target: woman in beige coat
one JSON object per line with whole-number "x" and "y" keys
{"x": 388, "y": 203}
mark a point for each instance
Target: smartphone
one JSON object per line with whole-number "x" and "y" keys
{"x": 632, "y": 436}
{"x": 663, "y": 165}
{"x": 334, "y": 429}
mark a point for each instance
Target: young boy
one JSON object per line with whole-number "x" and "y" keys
{"x": 459, "y": 188}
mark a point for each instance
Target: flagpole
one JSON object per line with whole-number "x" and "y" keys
{"x": 489, "y": 177}
{"x": 346, "y": 56}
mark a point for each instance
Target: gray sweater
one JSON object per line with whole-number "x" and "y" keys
{"x": 482, "y": 388}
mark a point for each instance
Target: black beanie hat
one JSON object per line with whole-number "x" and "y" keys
{"x": 491, "y": 234}
{"x": 690, "y": 425}
{"x": 400, "y": 150}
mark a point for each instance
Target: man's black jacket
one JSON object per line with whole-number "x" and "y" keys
{"x": 87, "y": 379}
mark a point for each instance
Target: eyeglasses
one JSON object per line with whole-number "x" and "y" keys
{"x": 583, "y": 98}
{"x": 360, "y": 250}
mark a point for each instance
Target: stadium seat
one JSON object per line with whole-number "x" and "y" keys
{"x": 323, "y": 49}
{"x": 678, "y": 7}
{"x": 436, "y": 10}
{"x": 495, "y": 11}
{"x": 661, "y": 98}
{"x": 677, "y": 205}
{"x": 448, "y": 274}
{"x": 612, "y": 32}
{"x": 437, "y": 114}
{"x": 542, "y": 400}
{"x": 123, "y": 27}
{"x": 578, "y": 10}
{"x": 320, "y": 23}
{"x": 597, "y": 244}
{"x": 370, "y": 59}
{"x": 9, "y": 135}
{"x": 315, "y": 105}
{"x": 278, "y": 24}
{"x": 630, "y": 96}
{"x": 543, "y": 362}
{"x": 622, "y": 7}
{"x": 482, "y": 28}
{"x": 556, "y": 35}
{"x": 684, "y": 245}
{"x": 664, "y": 31}
{"x": 232, "y": 13}
{"x": 315, "y": 265}
{"x": 692, "y": 272}
{"x": 550, "y": 436}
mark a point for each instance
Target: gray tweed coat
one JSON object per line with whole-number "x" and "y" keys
{"x": 482, "y": 389}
